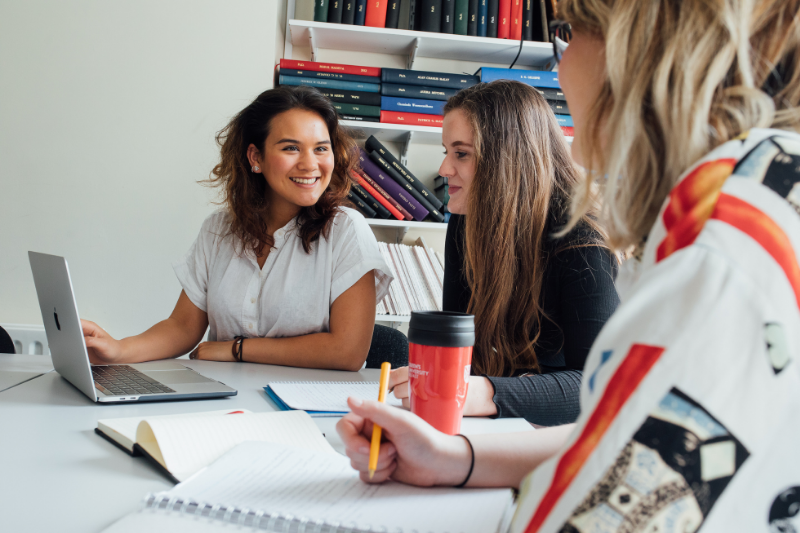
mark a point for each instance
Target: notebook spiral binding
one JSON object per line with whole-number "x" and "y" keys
{"x": 244, "y": 517}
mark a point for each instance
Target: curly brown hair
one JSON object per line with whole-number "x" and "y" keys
{"x": 244, "y": 192}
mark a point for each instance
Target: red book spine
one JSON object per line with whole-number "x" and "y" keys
{"x": 504, "y": 12}
{"x": 415, "y": 119}
{"x": 376, "y": 13}
{"x": 515, "y": 30}
{"x": 568, "y": 131}
{"x": 385, "y": 194}
{"x": 330, "y": 67}
{"x": 361, "y": 181}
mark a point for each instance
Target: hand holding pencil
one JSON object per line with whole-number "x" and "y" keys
{"x": 375, "y": 446}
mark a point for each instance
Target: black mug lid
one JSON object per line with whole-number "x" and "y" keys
{"x": 442, "y": 328}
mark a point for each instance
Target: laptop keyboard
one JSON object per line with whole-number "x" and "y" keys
{"x": 121, "y": 380}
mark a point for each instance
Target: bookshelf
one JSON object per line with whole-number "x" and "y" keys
{"x": 401, "y": 227}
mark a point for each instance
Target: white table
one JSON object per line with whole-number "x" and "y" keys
{"x": 56, "y": 474}
{"x": 19, "y": 368}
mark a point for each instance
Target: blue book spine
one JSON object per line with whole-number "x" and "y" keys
{"x": 431, "y": 79}
{"x": 412, "y": 105}
{"x": 331, "y": 84}
{"x": 330, "y": 76}
{"x": 563, "y": 120}
{"x": 483, "y": 13}
{"x": 536, "y": 78}
{"x": 361, "y": 12}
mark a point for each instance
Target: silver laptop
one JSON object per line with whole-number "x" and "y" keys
{"x": 140, "y": 382}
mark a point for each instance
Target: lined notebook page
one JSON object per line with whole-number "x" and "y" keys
{"x": 189, "y": 444}
{"x": 318, "y": 486}
{"x": 327, "y": 395}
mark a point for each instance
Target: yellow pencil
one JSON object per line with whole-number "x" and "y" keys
{"x": 375, "y": 446}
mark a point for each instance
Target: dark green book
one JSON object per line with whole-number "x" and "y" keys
{"x": 321, "y": 10}
{"x": 357, "y": 110}
{"x": 367, "y": 198}
{"x": 461, "y": 17}
{"x": 351, "y": 97}
{"x": 359, "y": 203}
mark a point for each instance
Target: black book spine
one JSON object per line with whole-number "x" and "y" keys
{"x": 552, "y": 94}
{"x": 361, "y": 12}
{"x": 375, "y": 145}
{"x": 371, "y": 201}
{"x": 448, "y": 12}
{"x": 558, "y": 107}
{"x": 386, "y": 167}
{"x": 335, "y": 11}
{"x": 491, "y": 27}
{"x": 527, "y": 20}
{"x": 417, "y": 91}
{"x": 359, "y": 203}
{"x": 417, "y": 12}
{"x": 432, "y": 16}
{"x": 472, "y": 23}
{"x": 541, "y": 32}
{"x": 392, "y": 13}
{"x": 351, "y": 97}
{"x": 358, "y": 118}
{"x": 349, "y": 11}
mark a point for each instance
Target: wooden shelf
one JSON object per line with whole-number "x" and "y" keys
{"x": 415, "y": 44}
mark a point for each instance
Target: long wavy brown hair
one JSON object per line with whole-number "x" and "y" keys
{"x": 244, "y": 192}
{"x": 518, "y": 198}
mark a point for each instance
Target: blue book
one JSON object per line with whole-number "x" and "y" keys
{"x": 535, "y": 78}
{"x": 361, "y": 12}
{"x": 564, "y": 120}
{"x": 412, "y": 105}
{"x": 329, "y": 75}
{"x": 483, "y": 13}
{"x": 331, "y": 84}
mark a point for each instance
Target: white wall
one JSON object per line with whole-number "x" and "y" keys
{"x": 108, "y": 111}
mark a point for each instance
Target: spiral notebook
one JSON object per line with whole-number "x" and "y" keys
{"x": 270, "y": 487}
{"x": 323, "y": 398}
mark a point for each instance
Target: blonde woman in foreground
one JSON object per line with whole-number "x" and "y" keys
{"x": 691, "y": 392}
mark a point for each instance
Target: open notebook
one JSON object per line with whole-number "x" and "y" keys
{"x": 180, "y": 445}
{"x": 323, "y": 398}
{"x": 268, "y": 487}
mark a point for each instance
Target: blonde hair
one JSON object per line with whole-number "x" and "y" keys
{"x": 680, "y": 80}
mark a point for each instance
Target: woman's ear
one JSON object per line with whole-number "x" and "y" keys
{"x": 254, "y": 156}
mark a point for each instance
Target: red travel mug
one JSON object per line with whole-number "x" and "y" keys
{"x": 439, "y": 361}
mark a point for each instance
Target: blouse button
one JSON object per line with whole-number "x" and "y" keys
{"x": 250, "y": 325}
{"x": 252, "y": 300}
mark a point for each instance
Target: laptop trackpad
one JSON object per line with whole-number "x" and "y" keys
{"x": 173, "y": 377}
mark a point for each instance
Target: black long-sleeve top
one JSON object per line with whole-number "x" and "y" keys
{"x": 578, "y": 296}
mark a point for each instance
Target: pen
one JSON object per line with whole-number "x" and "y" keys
{"x": 375, "y": 446}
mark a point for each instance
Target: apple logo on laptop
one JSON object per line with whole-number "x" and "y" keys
{"x": 56, "y": 317}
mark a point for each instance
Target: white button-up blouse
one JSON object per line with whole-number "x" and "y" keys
{"x": 293, "y": 293}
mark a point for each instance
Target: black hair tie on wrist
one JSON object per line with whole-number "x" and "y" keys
{"x": 471, "y": 464}
{"x": 238, "y": 341}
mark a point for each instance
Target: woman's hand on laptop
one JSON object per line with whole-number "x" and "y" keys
{"x": 102, "y": 347}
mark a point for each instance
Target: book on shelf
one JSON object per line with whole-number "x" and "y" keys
{"x": 272, "y": 487}
{"x": 376, "y": 13}
{"x": 431, "y": 16}
{"x": 568, "y": 131}
{"x": 357, "y": 110}
{"x": 404, "y": 214}
{"x": 408, "y": 202}
{"x": 448, "y": 11}
{"x": 360, "y": 204}
{"x": 443, "y": 194}
{"x": 417, "y": 91}
{"x": 361, "y": 13}
{"x": 550, "y": 14}
{"x": 408, "y": 10}
{"x": 392, "y": 13}
{"x": 539, "y": 17}
{"x": 483, "y": 13}
{"x": 335, "y": 11}
{"x": 328, "y": 75}
{"x": 374, "y": 145}
{"x": 535, "y": 78}
{"x": 472, "y": 23}
{"x": 527, "y": 20}
{"x": 438, "y": 181}
{"x": 418, "y": 278}
{"x": 367, "y": 198}
{"x": 358, "y": 118}
{"x": 503, "y": 16}
{"x": 411, "y": 119}
{"x": 330, "y": 67}
{"x": 515, "y": 26}
{"x": 565, "y": 120}
{"x": 321, "y": 10}
{"x": 461, "y": 17}
{"x": 348, "y": 11}
{"x": 559, "y": 107}
{"x": 424, "y": 200}
{"x": 412, "y": 105}
{"x": 432, "y": 79}
{"x": 491, "y": 21}
{"x": 382, "y": 197}
{"x": 330, "y": 84}
{"x": 351, "y": 97}
{"x": 181, "y": 445}
{"x": 552, "y": 94}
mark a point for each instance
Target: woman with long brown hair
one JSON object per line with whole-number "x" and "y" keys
{"x": 686, "y": 116}
{"x": 539, "y": 299}
{"x": 284, "y": 274}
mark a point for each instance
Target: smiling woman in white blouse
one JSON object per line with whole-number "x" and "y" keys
{"x": 284, "y": 274}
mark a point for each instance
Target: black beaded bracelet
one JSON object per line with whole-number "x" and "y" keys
{"x": 471, "y": 464}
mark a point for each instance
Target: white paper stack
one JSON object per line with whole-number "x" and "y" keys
{"x": 418, "y": 279}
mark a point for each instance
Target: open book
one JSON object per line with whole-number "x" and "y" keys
{"x": 323, "y": 398}
{"x": 268, "y": 487}
{"x": 180, "y": 445}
